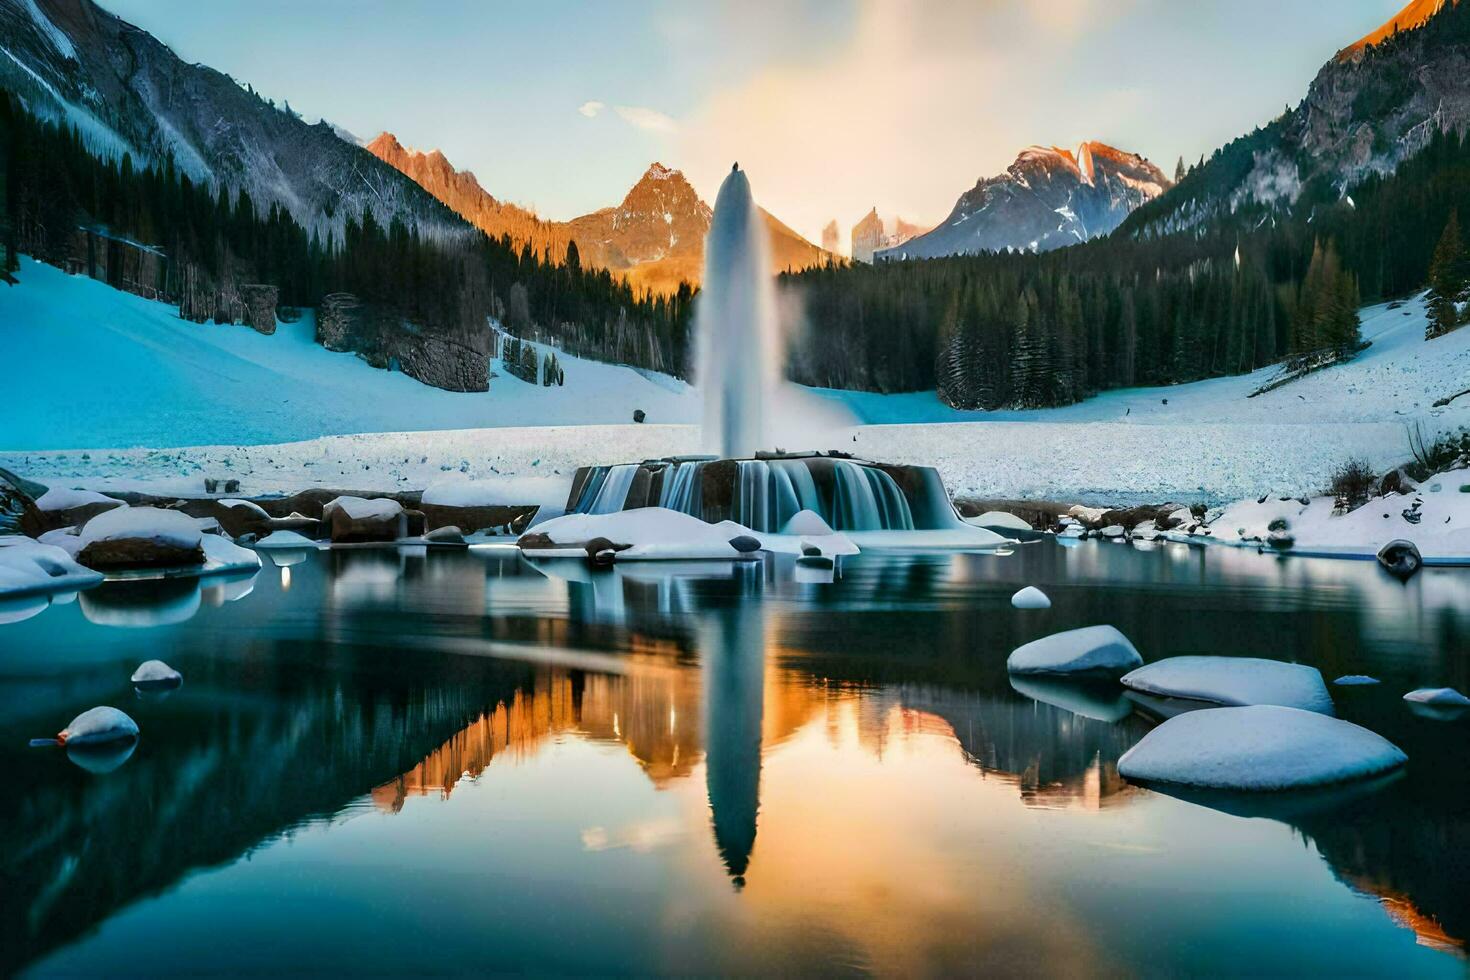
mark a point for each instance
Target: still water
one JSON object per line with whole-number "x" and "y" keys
{"x": 458, "y": 762}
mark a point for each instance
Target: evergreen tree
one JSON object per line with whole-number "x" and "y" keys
{"x": 1446, "y": 279}
{"x": 1179, "y": 173}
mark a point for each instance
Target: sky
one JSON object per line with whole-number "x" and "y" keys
{"x": 831, "y": 106}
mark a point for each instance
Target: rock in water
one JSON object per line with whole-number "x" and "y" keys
{"x": 745, "y": 544}
{"x": 156, "y": 674}
{"x": 1355, "y": 680}
{"x": 1258, "y": 748}
{"x": 140, "y": 537}
{"x": 1092, "y": 649}
{"x": 96, "y": 726}
{"x": 1031, "y": 598}
{"x": 1443, "y": 696}
{"x": 1401, "y": 559}
{"x": 1234, "y": 681}
{"x": 447, "y": 535}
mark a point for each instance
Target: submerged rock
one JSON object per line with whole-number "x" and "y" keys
{"x": 1258, "y": 748}
{"x": 1234, "y": 681}
{"x": 1092, "y": 649}
{"x": 1031, "y": 598}
{"x": 1401, "y": 559}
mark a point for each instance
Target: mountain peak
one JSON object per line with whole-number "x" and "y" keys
{"x": 1415, "y": 14}
{"x": 657, "y": 171}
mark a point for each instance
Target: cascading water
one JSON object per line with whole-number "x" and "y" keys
{"x": 736, "y": 324}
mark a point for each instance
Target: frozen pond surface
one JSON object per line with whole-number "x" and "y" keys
{"x": 454, "y": 762}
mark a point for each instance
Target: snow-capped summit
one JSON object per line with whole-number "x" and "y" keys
{"x": 1047, "y": 198}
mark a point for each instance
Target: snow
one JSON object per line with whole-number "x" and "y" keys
{"x": 61, "y": 498}
{"x": 1444, "y": 696}
{"x": 229, "y": 384}
{"x": 1031, "y": 598}
{"x": 999, "y": 519}
{"x": 165, "y": 527}
{"x": 155, "y": 672}
{"x": 831, "y": 544}
{"x": 1100, "y": 649}
{"x": 29, "y": 567}
{"x": 1355, "y": 680}
{"x": 363, "y": 509}
{"x": 223, "y": 555}
{"x": 1234, "y": 681}
{"x": 97, "y": 725}
{"x": 54, "y": 34}
{"x": 653, "y": 533}
{"x": 1258, "y": 748}
{"x": 1442, "y": 533}
{"x": 547, "y": 492}
{"x": 285, "y": 539}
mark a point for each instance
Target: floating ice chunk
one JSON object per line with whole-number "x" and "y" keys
{"x": 1031, "y": 598}
{"x": 1259, "y": 747}
{"x": 1092, "y": 649}
{"x": 999, "y": 519}
{"x": 29, "y": 567}
{"x": 1234, "y": 681}
{"x": 96, "y": 726}
{"x": 156, "y": 673}
{"x": 1442, "y": 696}
{"x": 1355, "y": 680}
{"x": 285, "y": 539}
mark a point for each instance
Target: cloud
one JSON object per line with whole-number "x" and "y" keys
{"x": 591, "y": 108}
{"x": 645, "y": 118}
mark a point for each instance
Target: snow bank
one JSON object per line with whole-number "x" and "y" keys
{"x": 1442, "y": 696}
{"x": 29, "y": 567}
{"x": 1031, "y": 598}
{"x": 61, "y": 498}
{"x": 1092, "y": 649}
{"x": 1234, "y": 681}
{"x": 549, "y": 492}
{"x": 651, "y": 533}
{"x": 1257, "y": 748}
{"x": 170, "y": 528}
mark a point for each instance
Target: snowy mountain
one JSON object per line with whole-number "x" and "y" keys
{"x": 127, "y": 92}
{"x": 1376, "y": 103}
{"x": 656, "y": 235}
{"x": 874, "y": 233}
{"x": 1049, "y": 197}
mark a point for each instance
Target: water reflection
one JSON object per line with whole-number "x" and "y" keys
{"x": 856, "y": 755}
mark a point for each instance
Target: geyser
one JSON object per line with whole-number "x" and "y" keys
{"x": 736, "y": 324}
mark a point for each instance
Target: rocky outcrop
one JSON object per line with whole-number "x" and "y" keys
{"x": 444, "y": 363}
{"x": 345, "y": 323}
{"x": 259, "y": 301}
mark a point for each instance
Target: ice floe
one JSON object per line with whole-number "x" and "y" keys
{"x": 1258, "y": 748}
{"x": 1234, "y": 681}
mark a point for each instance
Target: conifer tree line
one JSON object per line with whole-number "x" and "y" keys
{"x": 1024, "y": 330}
{"x": 52, "y": 185}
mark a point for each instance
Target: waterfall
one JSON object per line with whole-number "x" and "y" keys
{"x": 682, "y": 490}
{"x": 735, "y": 323}
{"x": 612, "y": 493}
{"x": 864, "y": 498}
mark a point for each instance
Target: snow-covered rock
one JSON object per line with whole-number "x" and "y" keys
{"x": 140, "y": 537}
{"x": 28, "y": 567}
{"x": 223, "y": 555}
{"x": 1092, "y": 649}
{"x": 1234, "y": 681}
{"x": 1441, "y": 696}
{"x": 1113, "y": 531}
{"x": 97, "y": 725}
{"x": 249, "y": 506}
{"x": 1355, "y": 680}
{"x": 1031, "y": 598}
{"x": 62, "y": 498}
{"x": 1258, "y": 748}
{"x": 645, "y": 533}
{"x": 999, "y": 520}
{"x": 285, "y": 539}
{"x": 358, "y": 519}
{"x": 156, "y": 673}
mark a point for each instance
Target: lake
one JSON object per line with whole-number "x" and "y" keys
{"x": 458, "y": 762}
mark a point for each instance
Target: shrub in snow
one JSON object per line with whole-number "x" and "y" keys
{"x": 156, "y": 674}
{"x": 1092, "y": 649}
{"x": 1258, "y": 748}
{"x": 1234, "y": 681}
{"x": 1442, "y": 696}
{"x": 1031, "y": 598}
{"x": 140, "y": 537}
{"x": 29, "y": 567}
{"x": 95, "y": 726}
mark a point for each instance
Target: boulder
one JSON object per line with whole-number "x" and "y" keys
{"x": 1090, "y": 650}
{"x": 156, "y": 675}
{"x": 140, "y": 537}
{"x": 97, "y": 726}
{"x": 1233, "y": 681}
{"x": 447, "y": 535}
{"x": 745, "y": 544}
{"x": 352, "y": 520}
{"x": 1401, "y": 559}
